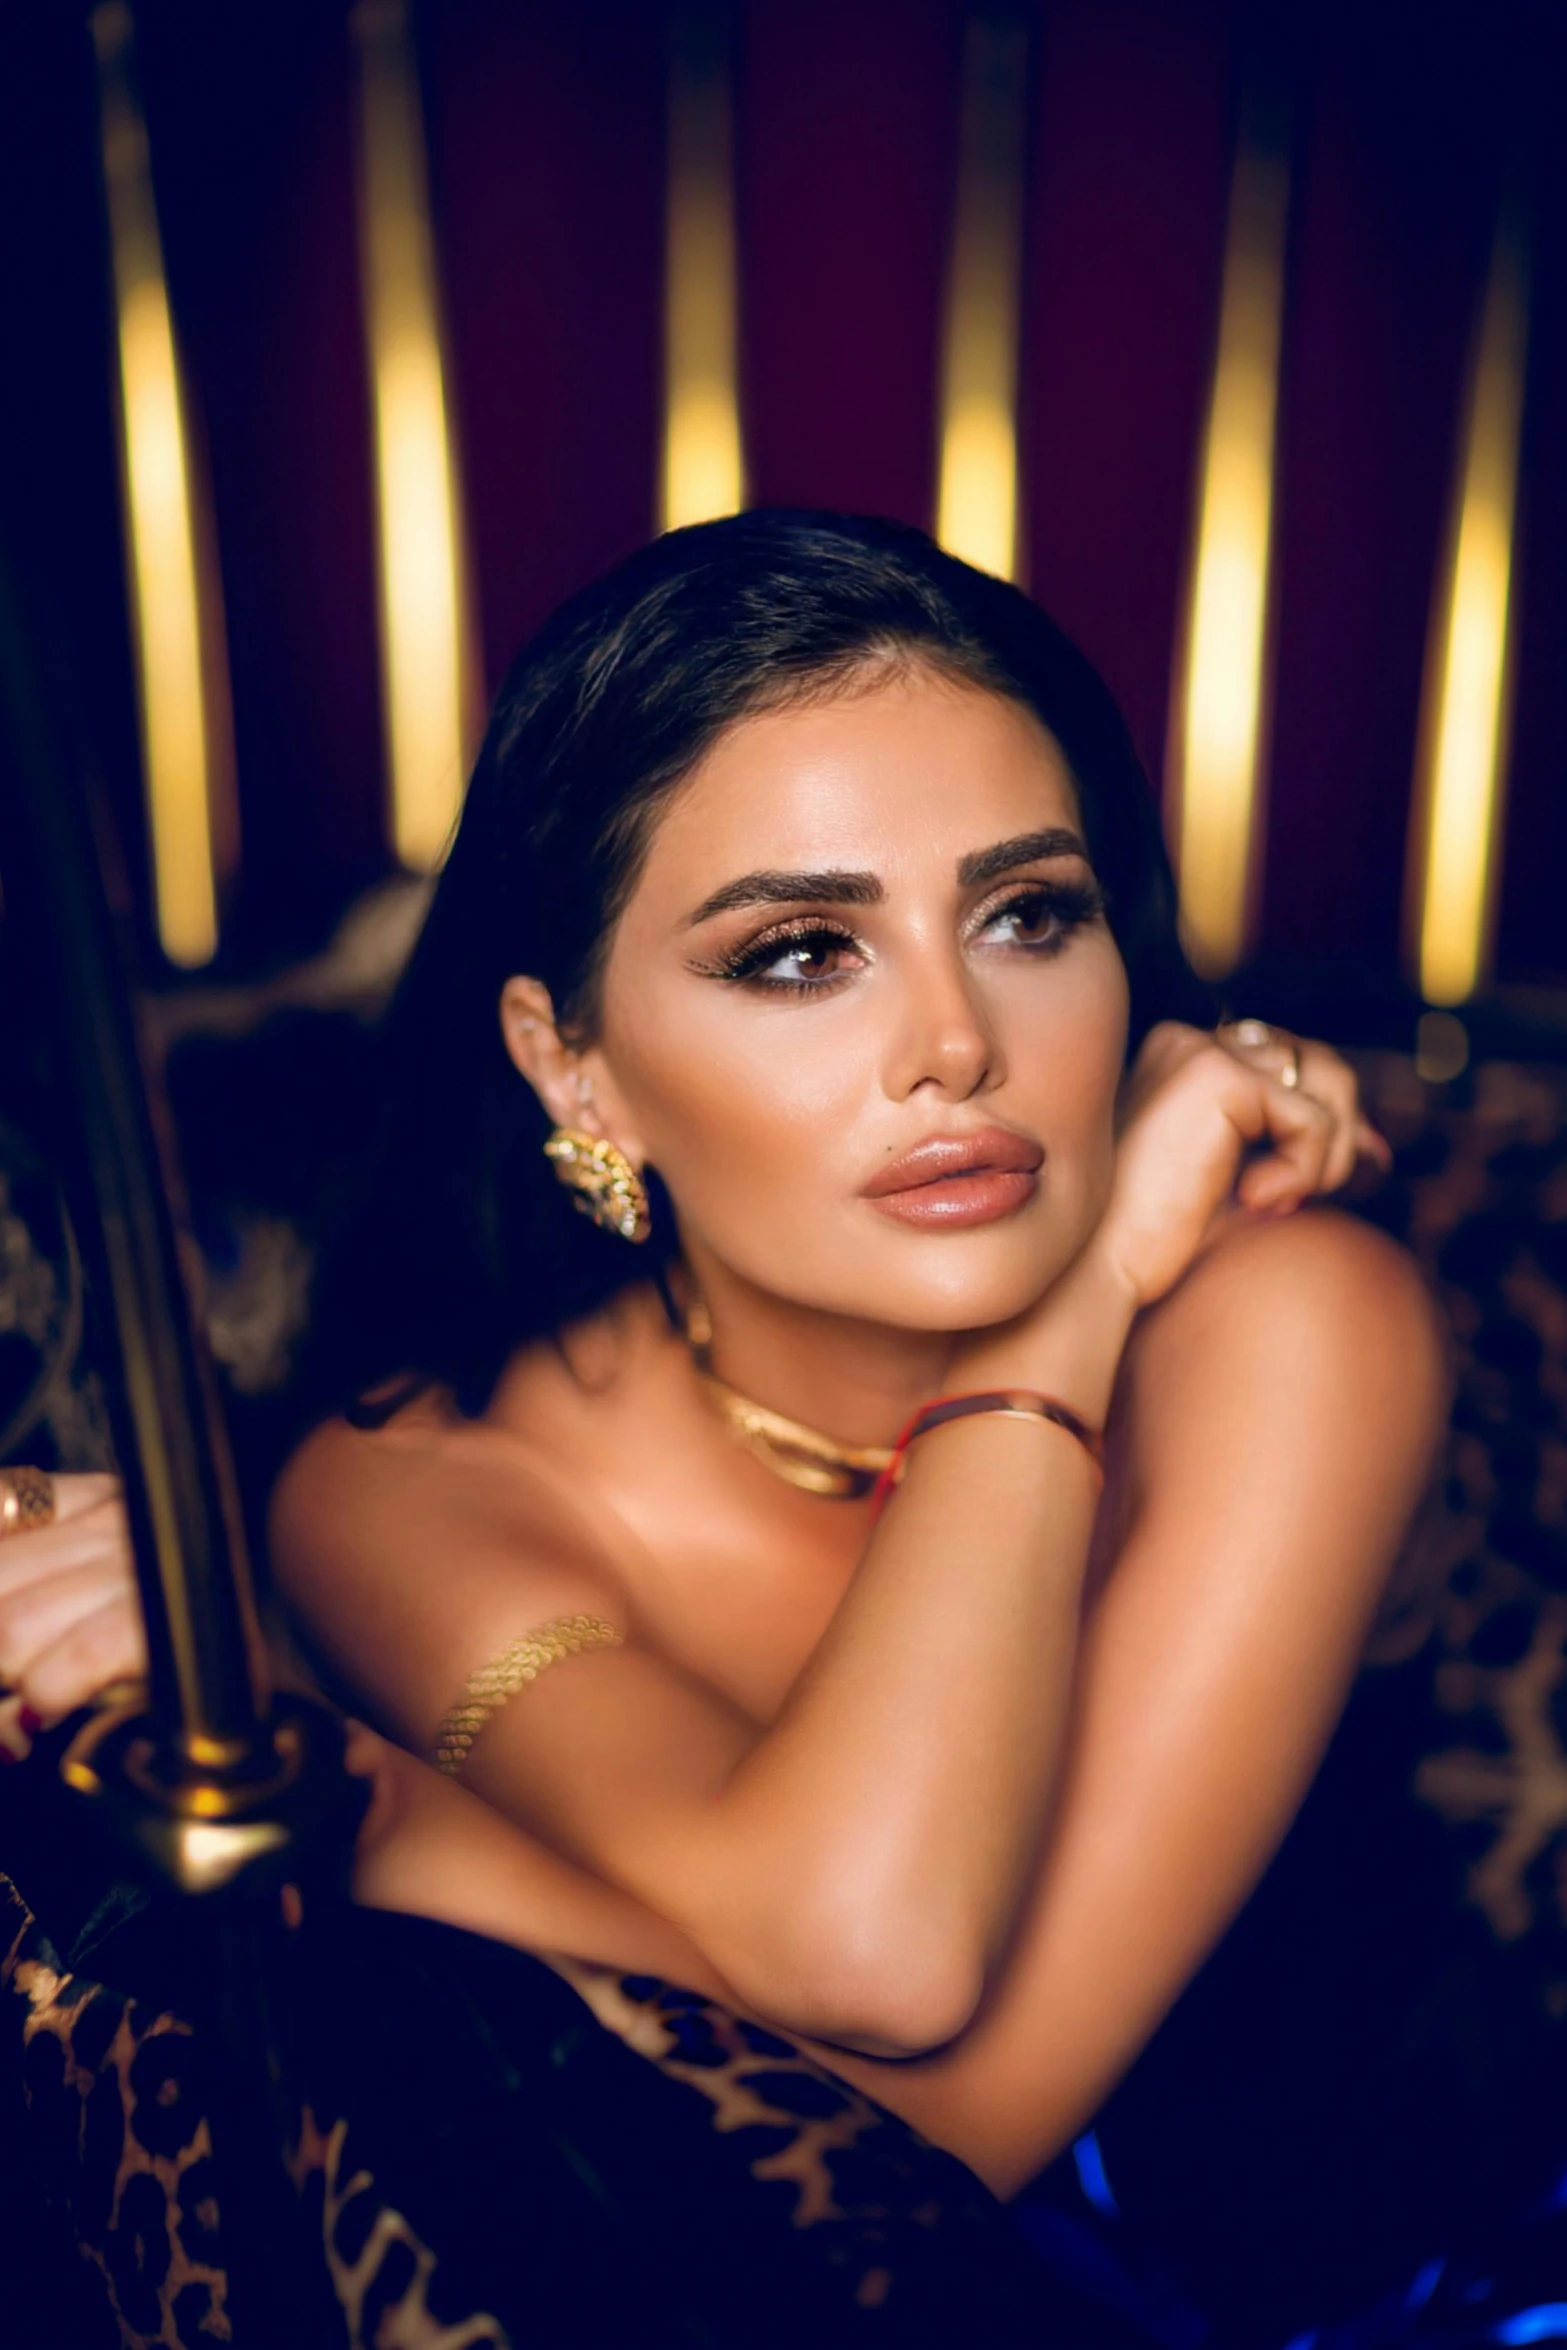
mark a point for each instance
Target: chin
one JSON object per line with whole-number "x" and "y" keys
{"x": 961, "y": 1281}
{"x": 958, "y": 1307}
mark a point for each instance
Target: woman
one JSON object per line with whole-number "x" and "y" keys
{"x": 809, "y": 911}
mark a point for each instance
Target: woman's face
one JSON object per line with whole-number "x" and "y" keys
{"x": 863, "y": 1012}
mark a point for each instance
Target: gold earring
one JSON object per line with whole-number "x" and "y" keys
{"x": 607, "y": 1186}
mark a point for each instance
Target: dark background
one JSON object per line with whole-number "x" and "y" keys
{"x": 545, "y": 125}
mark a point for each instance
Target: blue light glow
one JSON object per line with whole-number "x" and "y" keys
{"x": 1546, "y": 2322}
{"x": 1093, "y": 2178}
{"x": 1425, "y": 2284}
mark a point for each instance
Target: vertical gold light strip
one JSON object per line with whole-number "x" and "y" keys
{"x": 185, "y": 748}
{"x": 976, "y": 499}
{"x": 704, "y": 464}
{"x": 1218, "y": 707}
{"x": 425, "y": 664}
{"x": 1455, "y": 843}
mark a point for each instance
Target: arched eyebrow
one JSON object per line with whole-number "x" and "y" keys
{"x": 840, "y": 888}
{"x": 790, "y": 889}
{"x": 1028, "y": 848}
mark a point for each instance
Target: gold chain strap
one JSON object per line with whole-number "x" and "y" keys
{"x": 487, "y": 1690}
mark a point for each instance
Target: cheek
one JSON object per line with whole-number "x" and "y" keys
{"x": 1063, "y": 1033}
{"x": 726, "y": 1093}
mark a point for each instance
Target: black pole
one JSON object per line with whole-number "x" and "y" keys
{"x": 224, "y": 1791}
{"x": 207, "y": 1673}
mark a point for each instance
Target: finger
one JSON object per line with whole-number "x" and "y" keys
{"x": 108, "y": 1645}
{"x": 1334, "y": 1096}
{"x": 1170, "y": 1042}
{"x": 1339, "y": 1164}
{"x": 1299, "y": 1131}
{"x": 98, "y": 1532}
{"x": 362, "y": 1748}
{"x": 1372, "y": 1144}
{"x": 1342, "y": 1155}
{"x": 1329, "y": 1076}
{"x": 374, "y": 1758}
{"x": 74, "y": 1493}
{"x": 34, "y": 1618}
{"x": 1276, "y": 1052}
{"x": 1329, "y": 1079}
{"x": 15, "y": 1744}
{"x": 1304, "y": 1067}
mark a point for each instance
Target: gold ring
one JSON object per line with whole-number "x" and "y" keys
{"x": 26, "y": 1500}
{"x": 1249, "y": 1034}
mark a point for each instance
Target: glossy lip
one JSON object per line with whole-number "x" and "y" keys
{"x": 959, "y": 1180}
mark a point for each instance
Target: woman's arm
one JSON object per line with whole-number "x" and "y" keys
{"x": 848, "y": 1871}
{"x": 1282, "y": 1410}
{"x": 1280, "y": 1413}
{"x": 855, "y": 1870}
{"x": 429, "y": 1847}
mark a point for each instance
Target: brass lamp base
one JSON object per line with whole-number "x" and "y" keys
{"x": 240, "y": 1816}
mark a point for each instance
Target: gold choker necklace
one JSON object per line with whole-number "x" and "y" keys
{"x": 801, "y": 1456}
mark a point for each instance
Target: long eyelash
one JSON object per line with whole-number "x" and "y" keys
{"x": 744, "y": 962}
{"x": 1071, "y": 902}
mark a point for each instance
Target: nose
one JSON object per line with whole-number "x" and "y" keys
{"x": 944, "y": 1038}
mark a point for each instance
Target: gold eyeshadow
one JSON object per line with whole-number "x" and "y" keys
{"x": 1071, "y": 904}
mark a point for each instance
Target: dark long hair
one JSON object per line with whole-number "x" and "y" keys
{"x": 462, "y": 1245}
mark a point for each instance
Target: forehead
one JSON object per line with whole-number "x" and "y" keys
{"x": 908, "y": 775}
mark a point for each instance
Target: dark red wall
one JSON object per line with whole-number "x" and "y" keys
{"x": 546, "y": 137}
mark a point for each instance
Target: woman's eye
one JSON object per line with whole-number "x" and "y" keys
{"x": 802, "y": 962}
{"x": 1029, "y": 922}
{"x": 1044, "y": 918}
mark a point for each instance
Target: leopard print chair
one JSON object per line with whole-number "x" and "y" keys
{"x": 487, "y": 2152}
{"x": 676, "y": 2172}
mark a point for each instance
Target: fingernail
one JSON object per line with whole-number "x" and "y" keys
{"x": 29, "y": 1722}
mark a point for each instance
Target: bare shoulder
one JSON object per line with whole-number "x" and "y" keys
{"x": 411, "y": 1552}
{"x": 427, "y": 1463}
{"x": 1315, "y": 1321}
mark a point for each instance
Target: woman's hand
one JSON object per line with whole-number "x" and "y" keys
{"x": 391, "y": 1773}
{"x": 1209, "y": 1130}
{"x": 1209, "y": 1124}
{"x": 70, "y": 1614}
{"x": 1314, "y": 1069}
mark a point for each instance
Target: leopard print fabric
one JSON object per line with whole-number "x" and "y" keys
{"x": 119, "y": 2137}
{"x": 380, "y": 2268}
{"x": 1479, "y": 1193}
{"x": 808, "y": 2125}
{"x": 118, "y": 2120}
{"x": 119, "y": 2129}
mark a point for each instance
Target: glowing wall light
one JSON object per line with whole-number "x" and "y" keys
{"x": 976, "y": 500}
{"x": 177, "y": 613}
{"x": 704, "y": 464}
{"x": 1218, "y": 706}
{"x": 1456, "y": 838}
{"x": 425, "y": 665}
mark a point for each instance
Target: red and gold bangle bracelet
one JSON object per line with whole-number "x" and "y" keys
{"x": 1016, "y": 1403}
